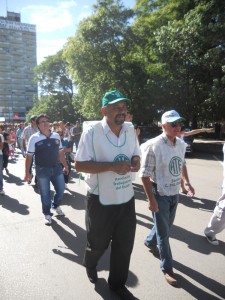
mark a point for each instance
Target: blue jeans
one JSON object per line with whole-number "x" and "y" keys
{"x": 45, "y": 175}
{"x": 159, "y": 235}
{"x": 1, "y": 172}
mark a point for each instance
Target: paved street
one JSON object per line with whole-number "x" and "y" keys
{"x": 45, "y": 262}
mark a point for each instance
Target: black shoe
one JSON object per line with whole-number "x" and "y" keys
{"x": 92, "y": 275}
{"x": 123, "y": 293}
{"x": 154, "y": 250}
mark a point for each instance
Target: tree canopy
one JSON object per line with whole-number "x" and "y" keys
{"x": 162, "y": 54}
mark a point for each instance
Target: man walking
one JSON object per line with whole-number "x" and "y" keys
{"x": 28, "y": 131}
{"x": 48, "y": 151}
{"x": 217, "y": 221}
{"x": 76, "y": 134}
{"x": 161, "y": 170}
{"x": 108, "y": 151}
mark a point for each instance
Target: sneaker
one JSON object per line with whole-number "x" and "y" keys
{"x": 59, "y": 211}
{"x": 48, "y": 220}
{"x": 212, "y": 241}
{"x": 169, "y": 276}
{"x": 2, "y": 192}
{"x": 92, "y": 275}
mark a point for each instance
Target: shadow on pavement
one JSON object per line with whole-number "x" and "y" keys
{"x": 196, "y": 292}
{"x": 73, "y": 199}
{"x": 139, "y": 193}
{"x": 13, "y": 205}
{"x": 146, "y": 220}
{"x": 195, "y": 241}
{"x": 76, "y": 243}
{"x": 198, "y": 203}
{"x": 13, "y": 179}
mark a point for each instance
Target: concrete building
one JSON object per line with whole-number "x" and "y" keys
{"x": 17, "y": 62}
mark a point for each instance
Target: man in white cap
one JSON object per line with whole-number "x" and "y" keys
{"x": 161, "y": 172}
{"x": 109, "y": 151}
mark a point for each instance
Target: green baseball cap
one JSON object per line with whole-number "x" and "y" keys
{"x": 113, "y": 97}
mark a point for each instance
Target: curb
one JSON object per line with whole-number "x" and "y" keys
{"x": 208, "y": 146}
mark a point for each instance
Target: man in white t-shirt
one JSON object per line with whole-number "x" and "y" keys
{"x": 217, "y": 221}
{"x": 162, "y": 166}
{"x": 108, "y": 152}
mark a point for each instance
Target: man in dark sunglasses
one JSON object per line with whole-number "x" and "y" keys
{"x": 162, "y": 167}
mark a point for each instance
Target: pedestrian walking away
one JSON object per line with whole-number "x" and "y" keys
{"x": 49, "y": 155}
{"x": 162, "y": 167}
{"x": 25, "y": 136}
{"x": 217, "y": 221}
{"x": 76, "y": 134}
{"x": 108, "y": 152}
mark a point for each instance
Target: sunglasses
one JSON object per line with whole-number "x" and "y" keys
{"x": 177, "y": 124}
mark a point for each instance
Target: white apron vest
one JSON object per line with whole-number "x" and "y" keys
{"x": 113, "y": 188}
{"x": 169, "y": 164}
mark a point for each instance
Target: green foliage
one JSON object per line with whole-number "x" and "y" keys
{"x": 97, "y": 55}
{"x": 163, "y": 54}
{"x": 57, "y": 89}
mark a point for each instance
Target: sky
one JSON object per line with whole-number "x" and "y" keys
{"x": 55, "y": 20}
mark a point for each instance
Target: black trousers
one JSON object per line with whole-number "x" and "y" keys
{"x": 105, "y": 224}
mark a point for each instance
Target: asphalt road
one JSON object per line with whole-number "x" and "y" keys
{"x": 45, "y": 262}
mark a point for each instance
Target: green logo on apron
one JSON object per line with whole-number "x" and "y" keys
{"x": 175, "y": 166}
{"x": 121, "y": 157}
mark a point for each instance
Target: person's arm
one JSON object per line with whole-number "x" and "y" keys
{"x": 135, "y": 163}
{"x": 67, "y": 149}
{"x": 63, "y": 161}
{"x": 24, "y": 145}
{"x": 23, "y": 137}
{"x": 196, "y": 131}
{"x": 93, "y": 167}
{"x": 28, "y": 162}
{"x": 186, "y": 179}
{"x": 152, "y": 203}
{"x": 1, "y": 142}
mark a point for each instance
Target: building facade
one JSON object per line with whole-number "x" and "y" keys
{"x": 17, "y": 62}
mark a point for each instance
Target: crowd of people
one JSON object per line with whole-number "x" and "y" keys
{"x": 16, "y": 136}
{"x": 108, "y": 153}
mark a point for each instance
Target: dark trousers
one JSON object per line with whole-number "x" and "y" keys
{"x": 5, "y": 161}
{"x": 105, "y": 224}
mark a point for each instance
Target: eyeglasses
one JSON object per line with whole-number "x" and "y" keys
{"x": 177, "y": 124}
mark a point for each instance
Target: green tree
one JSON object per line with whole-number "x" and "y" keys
{"x": 98, "y": 56}
{"x": 192, "y": 51}
{"x": 55, "y": 83}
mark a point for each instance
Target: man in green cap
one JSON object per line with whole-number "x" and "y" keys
{"x": 108, "y": 152}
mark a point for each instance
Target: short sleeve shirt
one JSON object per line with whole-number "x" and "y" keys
{"x": 46, "y": 149}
